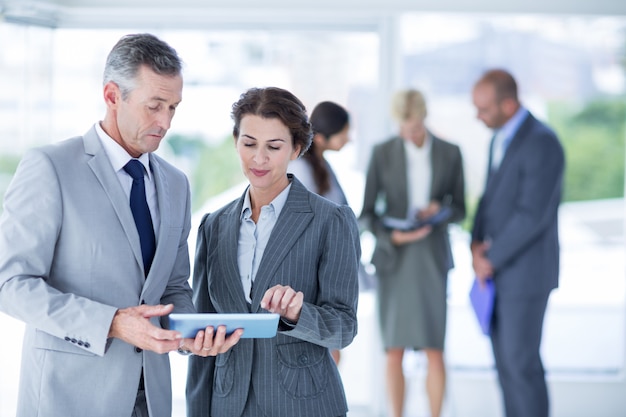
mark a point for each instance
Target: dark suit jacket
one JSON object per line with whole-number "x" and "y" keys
{"x": 518, "y": 213}
{"x": 314, "y": 248}
{"x": 387, "y": 179}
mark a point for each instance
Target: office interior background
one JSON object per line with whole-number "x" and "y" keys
{"x": 570, "y": 63}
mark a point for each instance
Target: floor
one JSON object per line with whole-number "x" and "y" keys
{"x": 583, "y": 346}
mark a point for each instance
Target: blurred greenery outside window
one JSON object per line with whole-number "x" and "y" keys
{"x": 593, "y": 138}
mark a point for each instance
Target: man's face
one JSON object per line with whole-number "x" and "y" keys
{"x": 488, "y": 109}
{"x": 144, "y": 117}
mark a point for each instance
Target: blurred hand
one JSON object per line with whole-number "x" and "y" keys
{"x": 399, "y": 237}
{"x": 211, "y": 343}
{"x": 132, "y": 325}
{"x": 432, "y": 209}
{"x": 283, "y": 300}
{"x": 481, "y": 264}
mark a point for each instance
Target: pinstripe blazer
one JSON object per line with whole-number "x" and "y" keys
{"x": 314, "y": 248}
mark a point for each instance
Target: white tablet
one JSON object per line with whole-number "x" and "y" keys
{"x": 254, "y": 325}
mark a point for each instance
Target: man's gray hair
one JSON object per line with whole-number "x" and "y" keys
{"x": 134, "y": 51}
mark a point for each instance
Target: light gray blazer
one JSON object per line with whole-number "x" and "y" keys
{"x": 387, "y": 182}
{"x": 314, "y": 248}
{"x": 69, "y": 258}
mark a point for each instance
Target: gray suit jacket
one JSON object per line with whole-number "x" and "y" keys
{"x": 387, "y": 181}
{"x": 518, "y": 213}
{"x": 314, "y": 248}
{"x": 69, "y": 258}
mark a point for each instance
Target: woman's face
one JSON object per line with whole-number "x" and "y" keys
{"x": 338, "y": 140}
{"x": 413, "y": 130}
{"x": 265, "y": 147}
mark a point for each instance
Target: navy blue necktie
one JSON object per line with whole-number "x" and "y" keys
{"x": 141, "y": 212}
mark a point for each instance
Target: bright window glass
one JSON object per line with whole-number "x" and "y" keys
{"x": 571, "y": 73}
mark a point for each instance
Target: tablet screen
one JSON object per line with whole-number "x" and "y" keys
{"x": 259, "y": 325}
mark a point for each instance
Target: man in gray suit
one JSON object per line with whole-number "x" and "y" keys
{"x": 76, "y": 268}
{"x": 515, "y": 238}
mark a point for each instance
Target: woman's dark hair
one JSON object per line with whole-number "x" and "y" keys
{"x": 275, "y": 103}
{"x": 327, "y": 119}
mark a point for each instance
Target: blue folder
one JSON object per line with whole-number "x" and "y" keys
{"x": 482, "y": 298}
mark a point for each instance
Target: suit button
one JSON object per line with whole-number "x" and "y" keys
{"x": 138, "y": 350}
{"x": 80, "y": 343}
{"x": 67, "y": 339}
{"x": 74, "y": 340}
{"x": 303, "y": 359}
{"x": 87, "y": 345}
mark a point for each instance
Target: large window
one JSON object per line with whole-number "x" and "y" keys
{"x": 53, "y": 94}
{"x": 54, "y": 86}
{"x": 571, "y": 74}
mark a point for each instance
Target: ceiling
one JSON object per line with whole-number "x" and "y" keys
{"x": 270, "y": 14}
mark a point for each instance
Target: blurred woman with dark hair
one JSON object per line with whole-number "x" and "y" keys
{"x": 331, "y": 124}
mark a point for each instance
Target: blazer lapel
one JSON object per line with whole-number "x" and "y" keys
{"x": 517, "y": 139}
{"x": 229, "y": 224}
{"x": 399, "y": 175}
{"x": 514, "y": 144}
{"x": 165, "y": 212}
{"x": 293, "y": 220}
{"x": 102, "y": 169}
{"x": 437, "y": 160}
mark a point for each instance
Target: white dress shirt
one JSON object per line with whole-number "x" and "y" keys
{"x": 253, "y": 237}
{"x": 118, "y": 158}
{"x": 419, "y": 175}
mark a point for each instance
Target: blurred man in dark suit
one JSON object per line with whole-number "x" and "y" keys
{"x": 515, "y": 238}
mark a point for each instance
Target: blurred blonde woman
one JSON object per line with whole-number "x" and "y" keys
{"x": 414, "y": 174}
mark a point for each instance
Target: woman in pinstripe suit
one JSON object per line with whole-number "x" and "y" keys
{"x": 331, "y": 124}
{"x": 283, "y": 249}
